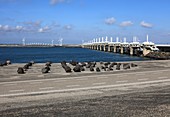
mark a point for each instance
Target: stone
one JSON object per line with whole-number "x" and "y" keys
{"x": 91, "y": 68}
{"x": 26, "y": 67}
{"x": 126, "y": 66}
{"x": 82, "y": 68}
{"x": 97, "y": 69}
{"x": 77, "y": 68}
{"x": 74, "y": 63}
{"x": 133, "y": 65}
{"x": 67, "y": 69}
{"x": 88, "y": 65}
{"x": 110, "y": 68}
{"x": 118, "y": 66}
{"x": 44, "y": 70}
{"x": 1, "y": 64}
{"x": 101, "y": 62}
{"x": 32, "y": 62}
{"x": 48, "y": 64}
{"x": 8, "y": 62}
{"x": 20, "y": 70}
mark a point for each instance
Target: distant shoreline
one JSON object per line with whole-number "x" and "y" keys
{"x": 19, "y": 45}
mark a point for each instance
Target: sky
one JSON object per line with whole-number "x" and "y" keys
{"x": 41, "y": 21}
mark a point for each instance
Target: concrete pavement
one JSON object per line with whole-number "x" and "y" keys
{"x": 33, "y": 90}
{"x": 102, "y": 81}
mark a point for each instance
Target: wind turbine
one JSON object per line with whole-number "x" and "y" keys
{"x": 60, "y": 41}
{"x": 23, "y": 41}
{"x": 52, "y": 42}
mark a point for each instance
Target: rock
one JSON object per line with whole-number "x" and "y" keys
{"x": 20, "y": 70}
{"x": 77, "y": 68}
{"x": 112, "y": 64}
{"x": 88, "y": 65}
{"x": 48, "y": 68}
{"x": 101, "y": 62}
{"x": 133, "y": 65}
{"x": 82, "y": 69}
{"x": 118, "y": 66}
{"x": 110, "y": 68}
{"x": 4, "y": 64}
{"x": 63, "y": 63}
{"x": 106, "y": 64}
{"x": 83, "y": 64}
{"x": 67, "y": 69}
{"x": 74, "y": 63}
{"x": 159, "y": 55}
{"x": 103, "y": 67}
{"x": 1, "y": 64}
{"x": 8, "y": 62}
{"x": 97, "y": 69}
{"x": 44, "y": 70}
{"x": 91, "y": 68}
{"x": 48, "y": 64}
{"x": 93, "y": 64}
{"x": 32, "y": 62}
{"x": 126, "y": 66}
{"x": 26, "y": 67}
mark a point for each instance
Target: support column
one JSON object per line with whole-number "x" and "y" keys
{"x": 114, "y": 49}
{"x": 104, "y": 48}
{"x": 109, "y": 48}
{"x": 121, "y": 50}
{"x": 131, "y": 50}
{"x": 92, "y": 47}
{"x": 97, "y": 47}
{"x": 100, "y": 47}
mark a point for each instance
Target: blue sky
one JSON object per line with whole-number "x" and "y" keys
{"x": 77, "y": 20}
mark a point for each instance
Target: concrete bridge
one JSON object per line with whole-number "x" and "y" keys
{"x": 133, "y": 48}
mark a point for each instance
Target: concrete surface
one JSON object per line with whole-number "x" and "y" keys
{"x": 94, "y": 94}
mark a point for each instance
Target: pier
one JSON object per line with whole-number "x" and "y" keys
{"x": 133, "y": 48}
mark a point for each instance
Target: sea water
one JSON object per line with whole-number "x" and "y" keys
{"x": 58, "y": 54}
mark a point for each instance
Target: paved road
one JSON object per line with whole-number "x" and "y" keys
{"x": 55, "y": 85}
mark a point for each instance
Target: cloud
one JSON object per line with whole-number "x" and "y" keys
{"x": 110, "y": 21}
{"x": 126, "y": 23}
{"x": 146, "y": 25}
{"x": 33, "y": 23}
{"x": 5, "y": 28}
{"x": 19, "y": 28}
{"x": 44, "y": 29}
{"x": 68, "y": 27}
{"x": 54, "y": 2}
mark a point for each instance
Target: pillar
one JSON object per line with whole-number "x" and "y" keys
{"x": 131, "y": 50}
{"x": 97, "y": 47}
{"x": 121, "y": 50}
{"x": 92, "y": 47}
{"x": 104, "y": 47}
{"x": 114, "y": 49}
{"x": 100, "y": 47}
{"x": 109, "y": 48}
